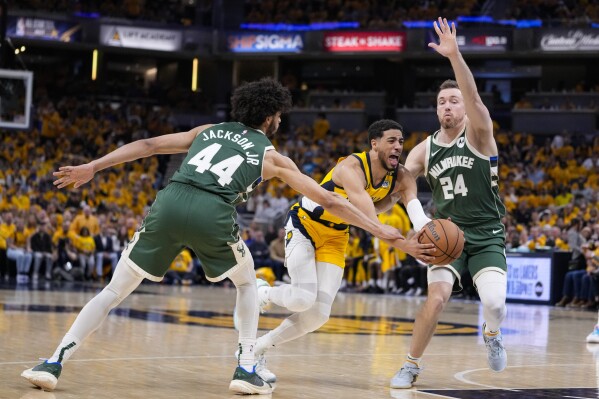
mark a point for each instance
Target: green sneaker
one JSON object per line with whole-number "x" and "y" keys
{"x": 44, "y": 375}
{"x": 249, "y": 383}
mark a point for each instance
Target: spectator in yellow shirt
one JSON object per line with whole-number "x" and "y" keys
{"x": 7, "y": 229}
{"x": 85, "y": 219}
{"x": 86, "y": 250}
{"x": 18, "y": 251}
{"x": 20, "y": 199}
{"x": 537, "y": 239}
{"x": 181, "y": 269}
{"x": 321, "y": 126}
{"x": 557, "y": 239}
{"x": 61, "y": 232}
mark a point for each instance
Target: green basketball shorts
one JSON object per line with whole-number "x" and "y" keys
{"x": 185, "y": 216}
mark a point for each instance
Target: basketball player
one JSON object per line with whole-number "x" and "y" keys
{"x": 459, "y": 161}
{"x": 224, "y": 163}
{"x": 316, "y": 240}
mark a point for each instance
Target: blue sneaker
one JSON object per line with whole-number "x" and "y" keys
{"x": 44, "y": 375}
{"x": 593, "y": 338}
{"x": 496, "y": 354}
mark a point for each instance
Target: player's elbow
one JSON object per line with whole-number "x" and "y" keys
{"x": 330, "y": 201}
{"x": 149, "y": 146}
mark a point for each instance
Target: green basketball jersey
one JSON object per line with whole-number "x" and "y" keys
{"x": 464, "y": 182}
{"x": 225, "y": 159}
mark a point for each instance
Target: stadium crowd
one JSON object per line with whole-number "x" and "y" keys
{"x": 370, "y": 14}
{"x": 390, "y": 14}
{"x": 550, "y": 186}
{"x": 170, "y": 11}
{"x": 378, "y": 14}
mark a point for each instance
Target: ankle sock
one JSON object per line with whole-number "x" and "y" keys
{"x": 413, "y": 361}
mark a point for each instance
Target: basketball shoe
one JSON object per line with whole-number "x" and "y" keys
{"x": 247, "y": 383}
{"x": 496, "y": 354}
{"x": 44, "y": 375}
{"x": 263, "y": 371}
{"x": 406, "y": 376}
{"x": 593, "y": 338}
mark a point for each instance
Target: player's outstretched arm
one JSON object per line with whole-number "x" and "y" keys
{"x": 277, "y": 165}
{"x": 167, "y": 144}
{"x": 478, "y": 114}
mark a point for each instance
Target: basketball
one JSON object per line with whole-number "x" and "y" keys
{"x": 447, "y": 238}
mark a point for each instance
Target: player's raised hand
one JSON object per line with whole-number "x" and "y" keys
{"x": 73, "y": 174}
{"x": 448, "y": 45}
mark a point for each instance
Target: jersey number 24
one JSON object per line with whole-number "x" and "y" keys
{"x": 450, "y": 190}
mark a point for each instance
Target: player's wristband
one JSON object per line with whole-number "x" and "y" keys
{"x": 417, "y": 215}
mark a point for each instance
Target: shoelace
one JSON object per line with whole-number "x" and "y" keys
{"x": 494, "y": 343}
{"x": 413, "y": 371}
{"x": 261, "y": 362}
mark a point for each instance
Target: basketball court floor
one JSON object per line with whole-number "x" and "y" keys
{"x": 179, "y": 342}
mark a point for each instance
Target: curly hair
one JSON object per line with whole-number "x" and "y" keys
{"x": 376, "y": 130}
{"x": 253, "y": 102}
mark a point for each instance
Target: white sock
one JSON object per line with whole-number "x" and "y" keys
{"x": 264, "y": 343}
{"x": 246, "y": 354}
{"x": 413, "y": 361}
{"x": 67, "y": 347}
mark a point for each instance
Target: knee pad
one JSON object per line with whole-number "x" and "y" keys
{"x": 491, "y": 288}
{"x": 123, "y": 282}
{"x": 111, "y": 297}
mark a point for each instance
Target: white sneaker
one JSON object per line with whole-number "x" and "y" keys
{"x": 405, "y": 377}
{"x": 264, "y": 372}
{"x": 263, "y": 300}
{"x": 593, "y": 338}
{"x": 496, "y": 354}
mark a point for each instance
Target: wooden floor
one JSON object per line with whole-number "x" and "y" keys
{"x": 178, "y": 342}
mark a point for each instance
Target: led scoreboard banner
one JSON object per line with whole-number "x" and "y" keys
{"x": 360, "y": 42}
{"x": 265, "y": 42}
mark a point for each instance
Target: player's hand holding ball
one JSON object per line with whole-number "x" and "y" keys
{"x": 447, "y": 238}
